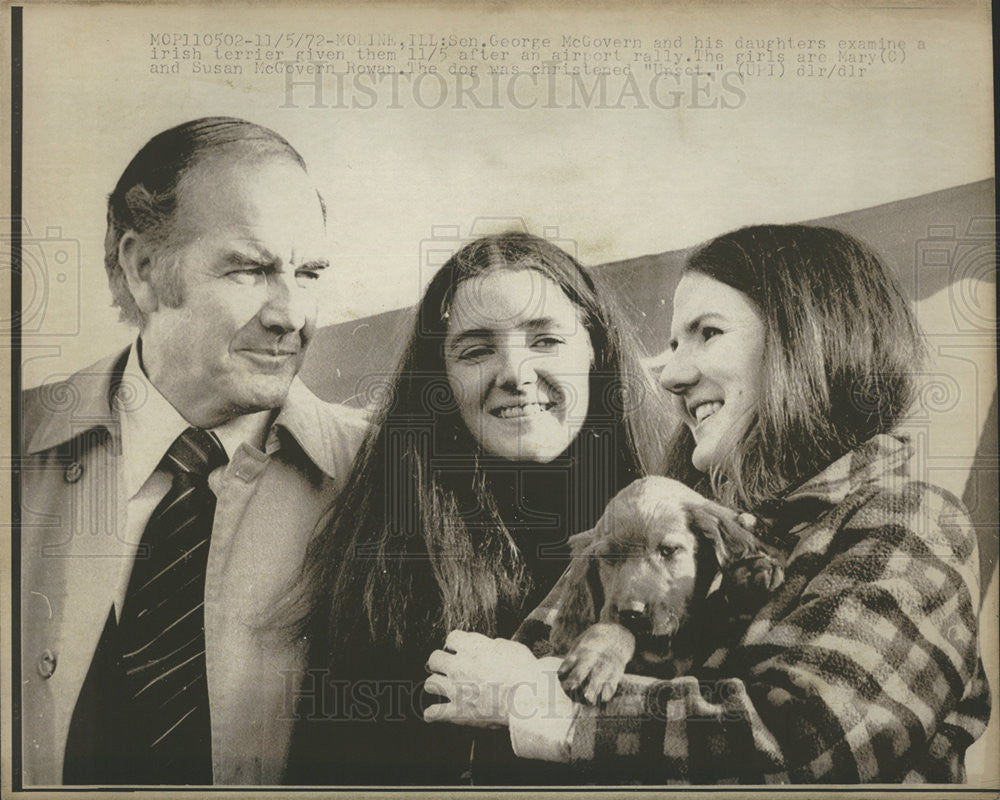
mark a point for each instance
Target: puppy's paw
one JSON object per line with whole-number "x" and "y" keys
{"x": 592, "y": 670}
{"x": 751, "y": 580}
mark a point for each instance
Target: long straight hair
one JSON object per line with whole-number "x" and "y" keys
{"x": 841, "y": 347}
{"x": 415, "y": 545}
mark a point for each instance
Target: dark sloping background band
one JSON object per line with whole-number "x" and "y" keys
{"x": 933, "y": 241}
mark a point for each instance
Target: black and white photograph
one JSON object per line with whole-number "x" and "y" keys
{"x": 500, "y": 397}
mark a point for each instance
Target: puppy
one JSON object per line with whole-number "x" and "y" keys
{"x": 639, "y": 580}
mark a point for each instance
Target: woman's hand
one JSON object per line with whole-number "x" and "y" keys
{"x": 480, "y": 677}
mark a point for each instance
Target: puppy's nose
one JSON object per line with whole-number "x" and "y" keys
{"x": 634, "y": 618}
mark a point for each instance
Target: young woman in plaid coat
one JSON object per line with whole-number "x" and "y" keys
{"x": 792, "y": 360}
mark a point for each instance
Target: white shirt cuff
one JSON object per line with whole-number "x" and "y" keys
{"x": 542, "y": 718}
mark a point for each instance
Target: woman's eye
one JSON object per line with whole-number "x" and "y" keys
{"x": 708, "y": 332}
{"x": 307, "y": 276}
{"x": 547, "y": 342}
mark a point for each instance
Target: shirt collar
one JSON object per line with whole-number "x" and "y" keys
{"x": 150, "y": 424}
{"x": 93, "y": 396}
{"x": 324, "y": 432}
{"x": 248, "y": 428}
{"x": 880, "y": 460}
{"x": 63, "y": 410}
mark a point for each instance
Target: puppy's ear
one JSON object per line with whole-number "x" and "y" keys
{"x": 751, "y": 571}
{"x": 721, "y": 540}
{"x": 578, "y": 605}
{"x": 580, "y": 542}
{"x": 724, "y": 529}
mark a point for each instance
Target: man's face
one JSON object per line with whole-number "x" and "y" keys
{"x": 248, "y": 239}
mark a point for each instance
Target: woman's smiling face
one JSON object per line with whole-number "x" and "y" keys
{"x": 714, "y": 365}
{"x": 518, "y": 360}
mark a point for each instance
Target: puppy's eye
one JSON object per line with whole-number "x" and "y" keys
{"x": 668, "y": 551}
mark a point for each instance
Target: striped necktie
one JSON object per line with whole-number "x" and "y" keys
{"x": 162, "y": 629}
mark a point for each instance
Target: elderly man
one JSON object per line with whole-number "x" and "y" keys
{"x": 169, "y": 491}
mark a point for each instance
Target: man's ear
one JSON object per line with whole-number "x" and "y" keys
{"x": 136, "y": 258}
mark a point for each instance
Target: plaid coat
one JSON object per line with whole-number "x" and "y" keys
{"x": 863, "y": 667}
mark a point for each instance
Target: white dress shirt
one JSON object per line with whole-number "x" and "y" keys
{"x": 149, "y": 426}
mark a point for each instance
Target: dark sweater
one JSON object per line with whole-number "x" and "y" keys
{"x": 365, "y": 725}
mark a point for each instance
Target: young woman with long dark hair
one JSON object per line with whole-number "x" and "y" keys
{"x": 518, "y": 409}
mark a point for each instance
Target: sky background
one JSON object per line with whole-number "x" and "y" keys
{"x": 612, "y": 183}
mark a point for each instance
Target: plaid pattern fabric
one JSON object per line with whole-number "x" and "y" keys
{"x": 864, "y": 666}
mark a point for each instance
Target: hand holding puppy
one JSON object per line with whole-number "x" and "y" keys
{"x": 478, "y": 677}
{"x": 639, "y": 580}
